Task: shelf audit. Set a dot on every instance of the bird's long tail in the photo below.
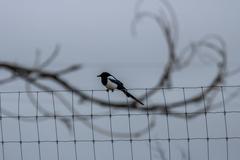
(129, 95)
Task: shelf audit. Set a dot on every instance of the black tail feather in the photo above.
(129, 95)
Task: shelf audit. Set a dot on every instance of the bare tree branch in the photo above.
(166, 20)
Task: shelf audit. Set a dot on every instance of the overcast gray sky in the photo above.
(98, 35)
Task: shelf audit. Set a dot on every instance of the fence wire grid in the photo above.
(45, 127)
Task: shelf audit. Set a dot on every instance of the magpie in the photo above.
(111, 83)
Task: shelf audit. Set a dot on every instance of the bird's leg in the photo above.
(112, 90)
(107, 90)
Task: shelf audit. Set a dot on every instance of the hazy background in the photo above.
(97, 34)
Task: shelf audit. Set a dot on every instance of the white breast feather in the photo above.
(111, 85)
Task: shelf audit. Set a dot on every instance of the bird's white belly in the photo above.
(111, 85)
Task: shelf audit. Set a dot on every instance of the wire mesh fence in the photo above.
(40, 125)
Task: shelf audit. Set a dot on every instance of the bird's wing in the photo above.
(114, 80)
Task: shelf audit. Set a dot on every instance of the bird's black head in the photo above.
(104, 75)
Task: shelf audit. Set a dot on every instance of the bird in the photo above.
(112, 83)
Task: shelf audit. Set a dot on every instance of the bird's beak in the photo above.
(98, 75)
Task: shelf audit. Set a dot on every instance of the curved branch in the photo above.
(167, 22)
